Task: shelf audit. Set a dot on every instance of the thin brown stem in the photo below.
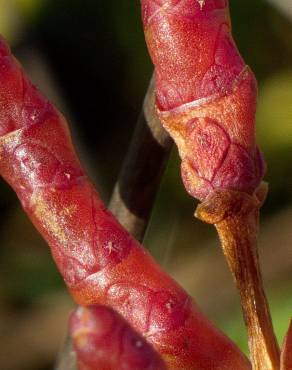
(135, 191)
(236, 217)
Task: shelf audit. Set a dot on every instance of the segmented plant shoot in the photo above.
(104, 341)
(100, 262)
(206, 100)
(206, 94)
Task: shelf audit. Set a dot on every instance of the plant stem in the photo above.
(135, 191)
(236, 217)
(286, 355)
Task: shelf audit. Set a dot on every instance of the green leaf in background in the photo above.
(15, 14)
(274, 117)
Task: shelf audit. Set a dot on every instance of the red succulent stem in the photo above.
(206, 100)
(100, 262)
(138, 183)
(206, 94)
(104, 341)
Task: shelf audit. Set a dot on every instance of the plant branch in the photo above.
(286, 355)
(236, 218)
(135, 191)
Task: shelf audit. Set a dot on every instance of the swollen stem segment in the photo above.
(104, 341)
(100, 262)
(205, 94)
(206, 100)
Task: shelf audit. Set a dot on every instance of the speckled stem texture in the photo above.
(104, 341)
(137, 186)
(100, 262)
(206, 94)
(206, 100)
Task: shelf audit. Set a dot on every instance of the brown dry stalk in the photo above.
(135, 191)
(236, 217)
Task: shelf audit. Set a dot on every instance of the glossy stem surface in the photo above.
(134, 193)
(236, 216)
(206, 99)
(101, 263)
(103, 340)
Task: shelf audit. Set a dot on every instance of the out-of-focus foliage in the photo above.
(28, 7)
(15, 15)
(275, 133)
(275, 106)
(90, 58)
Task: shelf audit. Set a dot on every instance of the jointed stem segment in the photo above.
(206, 99)
(235, 216)
(133, 197)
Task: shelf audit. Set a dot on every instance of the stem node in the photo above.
(236, 218)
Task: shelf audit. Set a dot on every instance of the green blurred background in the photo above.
(90, 58)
